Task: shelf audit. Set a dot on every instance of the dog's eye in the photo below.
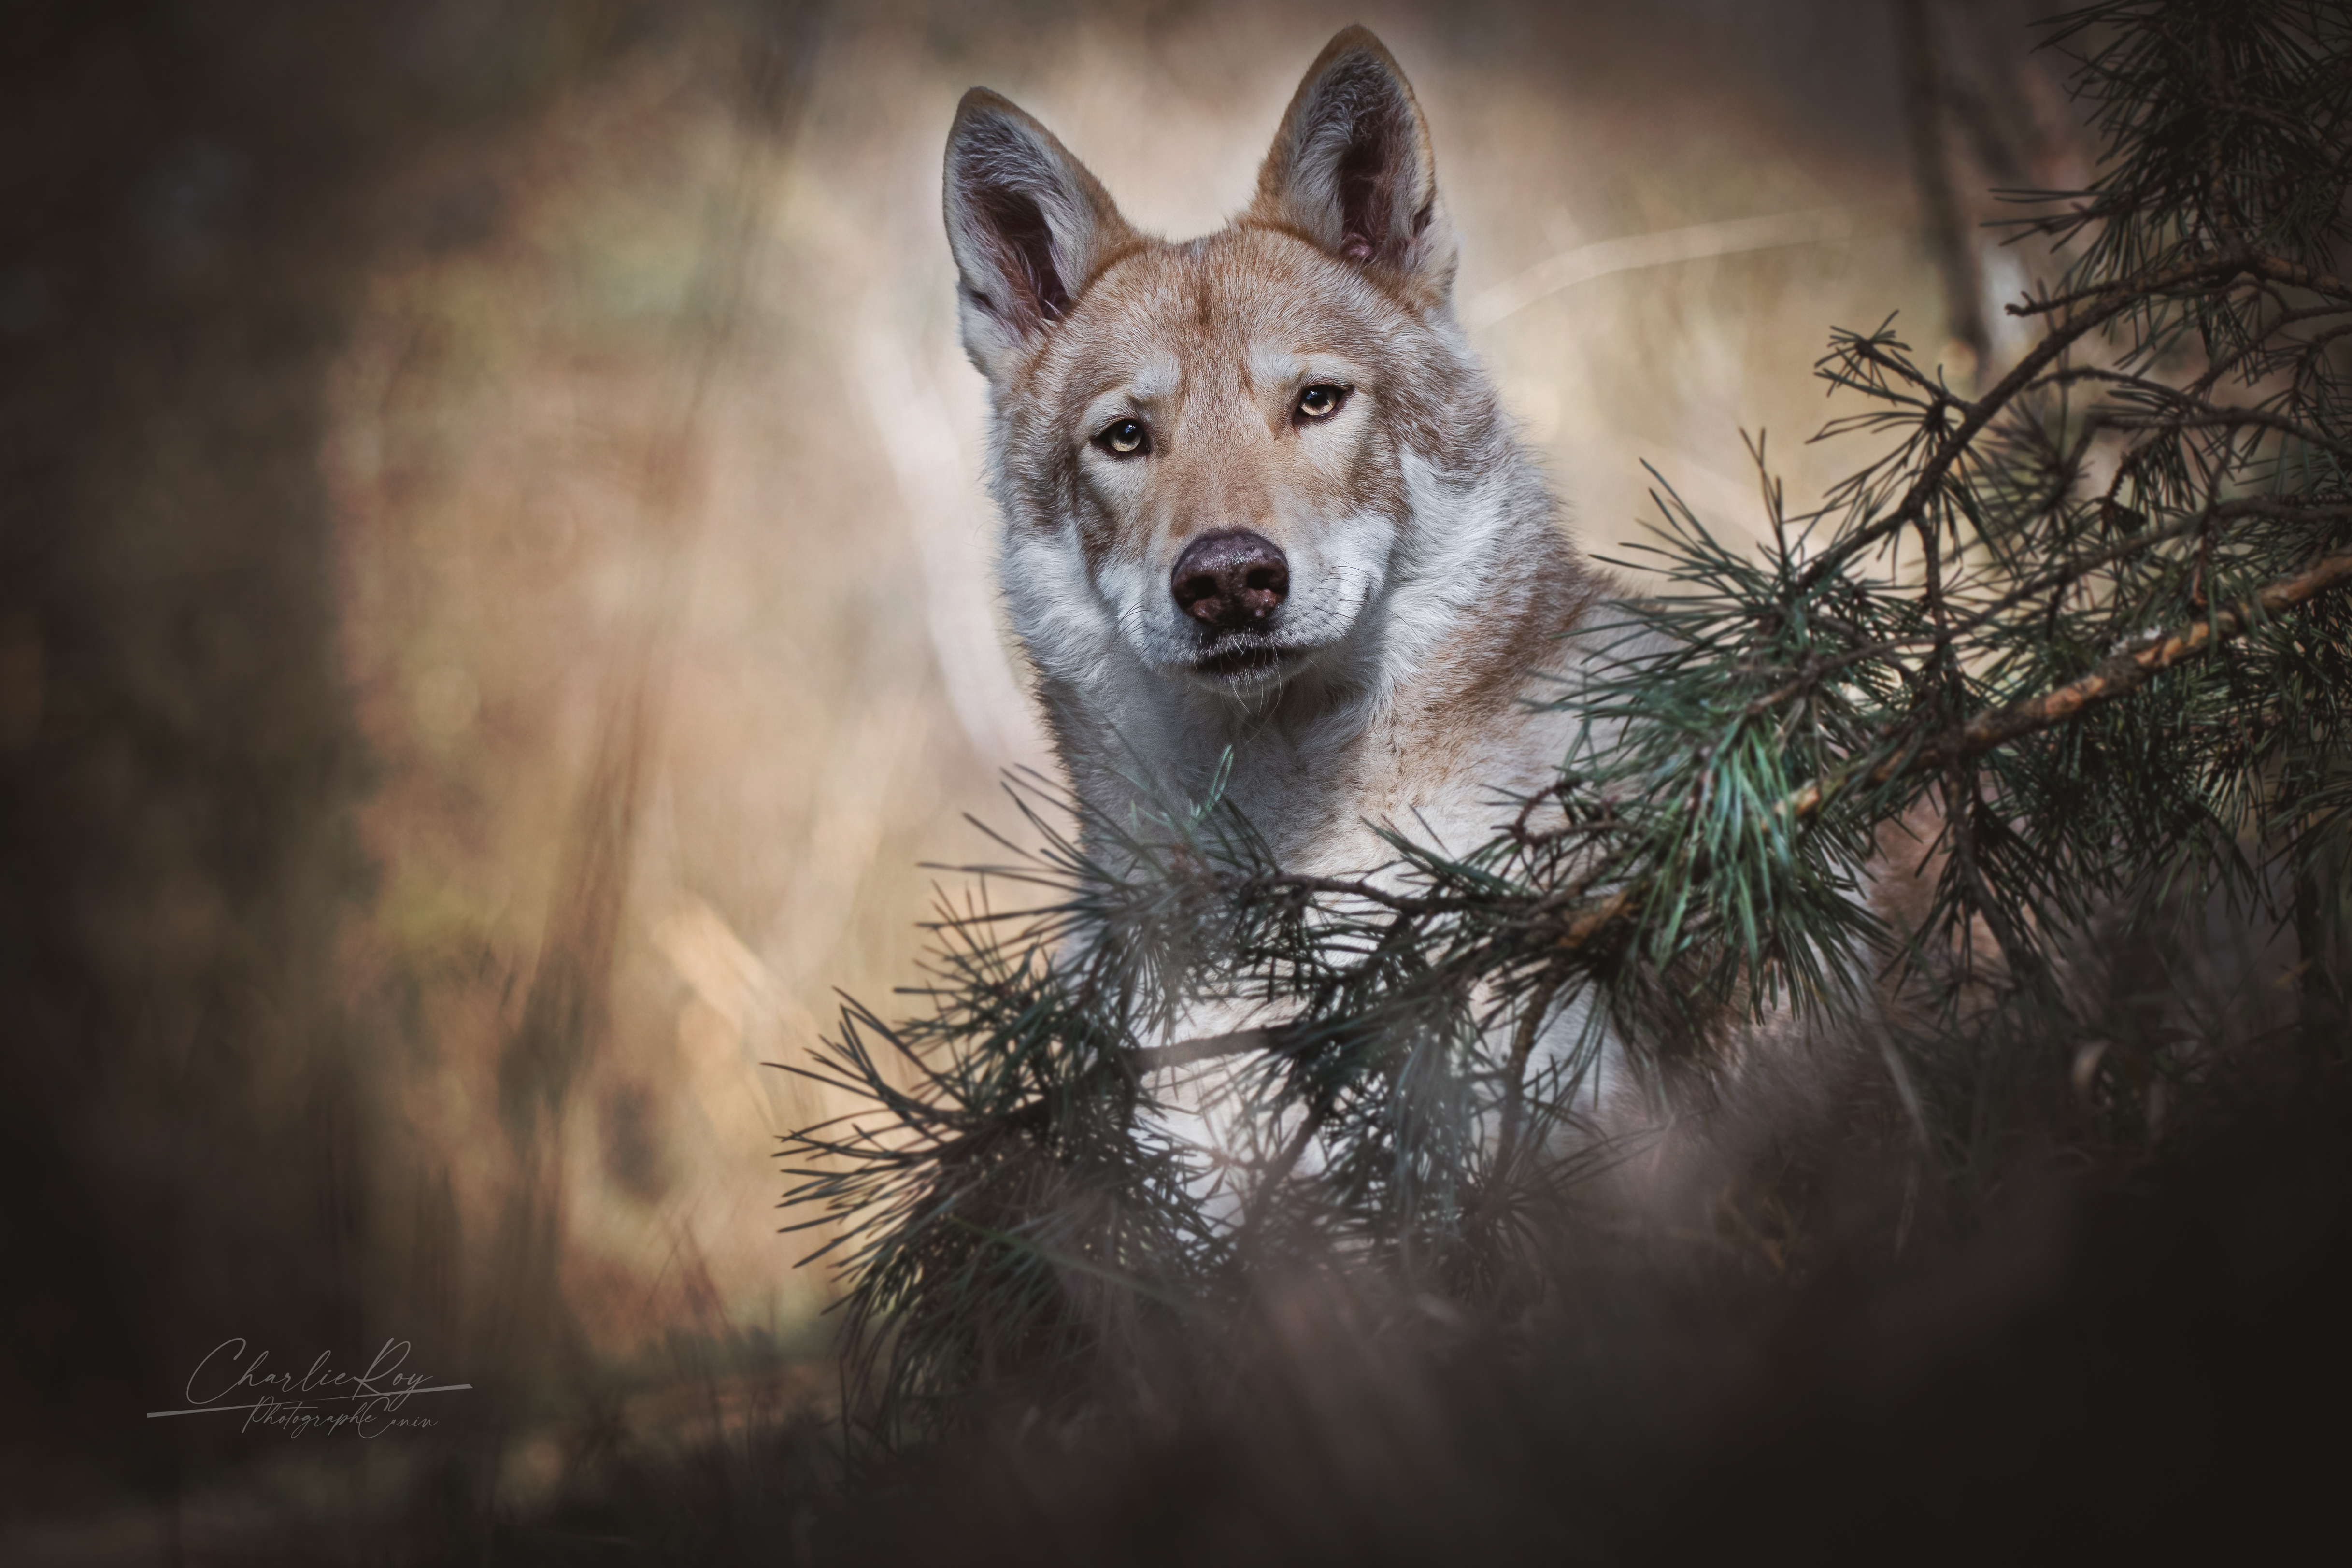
(1124, 438)
(1321, 401)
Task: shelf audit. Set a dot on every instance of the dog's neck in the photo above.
(1421, 717)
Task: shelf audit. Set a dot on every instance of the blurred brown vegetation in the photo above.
(493, 617)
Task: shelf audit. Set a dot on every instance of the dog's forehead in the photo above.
(1248, 303)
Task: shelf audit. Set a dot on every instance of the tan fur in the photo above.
(1430, 587)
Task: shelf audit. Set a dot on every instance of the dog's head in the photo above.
(1208, 448)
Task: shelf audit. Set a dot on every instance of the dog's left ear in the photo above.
(1352, 168)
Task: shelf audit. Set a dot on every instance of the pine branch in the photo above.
(2127, 672)
(2115, 678)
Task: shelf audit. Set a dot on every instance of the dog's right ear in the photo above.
(1029, 226)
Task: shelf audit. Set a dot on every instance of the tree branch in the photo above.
(1957, 441)
(2114, 677)
(2127, 672)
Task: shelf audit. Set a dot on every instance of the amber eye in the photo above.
(1122, 439)
(1321, 401)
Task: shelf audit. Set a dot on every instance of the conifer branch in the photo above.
(2114, 677)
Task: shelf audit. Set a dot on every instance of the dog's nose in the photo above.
(1230, 580)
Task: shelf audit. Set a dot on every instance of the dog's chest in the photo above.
(1319, 801)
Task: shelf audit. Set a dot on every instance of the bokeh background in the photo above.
(494, 615)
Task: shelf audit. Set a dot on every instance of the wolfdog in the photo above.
(1259, 499)
(1258, 492)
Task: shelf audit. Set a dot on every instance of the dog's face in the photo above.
(1206, 448)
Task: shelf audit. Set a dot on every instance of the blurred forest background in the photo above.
(494, 615)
